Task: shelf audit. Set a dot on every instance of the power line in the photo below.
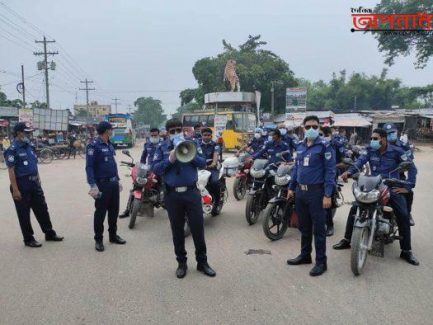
(87, 89)
(26, 47)
(116, 102)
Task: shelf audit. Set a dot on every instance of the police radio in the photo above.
(185, 151)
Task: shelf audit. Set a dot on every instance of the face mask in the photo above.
(375, 144)
(270, 138)
(257, 135)
(176, 138)
(311, 133)
(283, 131)
(26, 139)
(154, 140)
(327, 138)
(264, 133)
(392, 136)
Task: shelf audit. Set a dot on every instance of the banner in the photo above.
(296, 99)
(220, 123)
(26, 115)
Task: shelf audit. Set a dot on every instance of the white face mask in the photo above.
(257, 135)
(283, 131)
(154, 140)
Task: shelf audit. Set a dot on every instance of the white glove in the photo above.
(94, 191)
(120, 187)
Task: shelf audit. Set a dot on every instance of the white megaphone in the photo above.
(185, 151)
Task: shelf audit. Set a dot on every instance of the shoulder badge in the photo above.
(328, 155)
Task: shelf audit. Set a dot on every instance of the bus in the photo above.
(123, 130)
(234, 127)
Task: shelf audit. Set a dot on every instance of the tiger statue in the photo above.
(231, 76)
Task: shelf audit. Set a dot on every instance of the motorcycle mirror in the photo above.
(126, 152)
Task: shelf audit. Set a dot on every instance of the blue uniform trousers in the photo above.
(32, 198)
(399, 204)
(186, 205)
(109, 201)
(312, 219)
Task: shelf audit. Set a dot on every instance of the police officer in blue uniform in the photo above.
(210, 151)
(392, 137)
(385, 158)
(313, 179)
(26, 189)
(103, 178)
(255, 144)
(275, 150)
(146, 158)
(197, 133)
(182, 199)
(287, 138)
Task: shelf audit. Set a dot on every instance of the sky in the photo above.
(135, 48)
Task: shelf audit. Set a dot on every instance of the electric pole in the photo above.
(24, 87)
(87, 82)
(44, 65)
(272, 100)
(116, 101)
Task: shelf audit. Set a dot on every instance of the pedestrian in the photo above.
(25, 187)
(72, 150)
(313, 179)
(384, 159)
(103, 178)
(183, 199)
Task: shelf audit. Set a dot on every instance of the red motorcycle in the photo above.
(146, 193)
(243, 180)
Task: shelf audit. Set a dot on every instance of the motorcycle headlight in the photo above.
(282, 180)
(258, 173)
(141, 180)
(365, 197)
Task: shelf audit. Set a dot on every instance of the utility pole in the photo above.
(24, 87)
(272, 100)
(87, 82)
(354, 104)
(45, 65)
(116, 101)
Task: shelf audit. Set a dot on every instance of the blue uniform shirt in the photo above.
(148, 152)
(271, 149)
(338, 143)
(405, 147)
(384, 163)
(291, 142)
(315, 165)
(256, 144)
(208, 149)
(100, 162)
(22, 157)
(176, 174)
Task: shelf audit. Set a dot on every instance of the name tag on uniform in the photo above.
(106, 158)
(307, 161)
(26, 163)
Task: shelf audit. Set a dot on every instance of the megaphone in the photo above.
(185, 151)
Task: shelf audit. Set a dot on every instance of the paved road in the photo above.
(70, 283)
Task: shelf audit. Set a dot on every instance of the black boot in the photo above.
(116, 239)
(206, 269)
(99, 246)
(409, 257)
(300, 260)
(342, 244)
(181, 270)
(318, 269)
(125, 214)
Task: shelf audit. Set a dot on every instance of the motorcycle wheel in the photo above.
(252, 210)
(274, 223)
(239, 188)
(186, 229)
(359, 251)
(136, 205)
(223, 198)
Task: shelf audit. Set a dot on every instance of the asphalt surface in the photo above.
(71, 283)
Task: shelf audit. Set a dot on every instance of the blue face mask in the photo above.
(283, 131)
(176, 138)
(270, 138)
(375, 144)
(311, 133)
(392, 136)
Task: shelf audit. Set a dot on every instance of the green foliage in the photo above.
(149, 111)
(4, 101)
(402, 45)
(37, 104)
(190, 107)
(256, 69)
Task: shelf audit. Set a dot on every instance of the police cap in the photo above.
(103, 126)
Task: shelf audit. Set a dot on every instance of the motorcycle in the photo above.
(280, 212)
(207, 200)
(243, 180)
(375, 222)
(261, 191)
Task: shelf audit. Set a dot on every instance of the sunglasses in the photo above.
(374, 138)
(175, 130)
(307, 127)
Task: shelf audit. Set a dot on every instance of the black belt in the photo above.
(107, 180)
(310, 187)
(30, 178)
(181, 189)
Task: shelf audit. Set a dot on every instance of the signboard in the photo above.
(50, 119)
(8, 111)
(26, 115)
(220, 123)
(296, 99)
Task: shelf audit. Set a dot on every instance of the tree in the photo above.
(397, 45)
(256, 68)
(37, 104)
(149, 111)
(4, 101)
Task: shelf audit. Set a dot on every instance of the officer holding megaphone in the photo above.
(176, 160)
